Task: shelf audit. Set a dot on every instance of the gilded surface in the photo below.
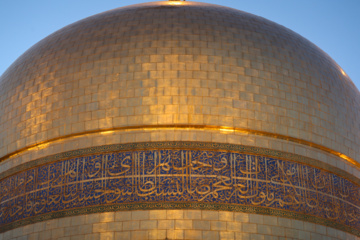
(192, 64)
(179, 126)
(179, 175)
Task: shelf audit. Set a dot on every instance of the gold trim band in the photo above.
(185, 126)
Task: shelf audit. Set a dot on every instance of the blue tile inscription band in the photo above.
(179, 175)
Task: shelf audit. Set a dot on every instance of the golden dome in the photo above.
(178, 71)
(191, 63)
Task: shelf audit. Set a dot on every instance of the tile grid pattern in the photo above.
(155, 64)
(175, 224)
(194, 63)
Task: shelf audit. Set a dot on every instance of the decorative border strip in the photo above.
(137, 147)
(184, 126)
(182, 145)
(181, 206)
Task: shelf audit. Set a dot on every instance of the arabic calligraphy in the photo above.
(168, 175)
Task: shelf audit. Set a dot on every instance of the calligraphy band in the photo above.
(183, 175)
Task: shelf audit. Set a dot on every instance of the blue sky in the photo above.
(333, 25)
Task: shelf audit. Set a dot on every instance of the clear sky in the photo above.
(333, 25)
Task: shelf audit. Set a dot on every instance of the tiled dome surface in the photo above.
(194, 63)
(167, 81)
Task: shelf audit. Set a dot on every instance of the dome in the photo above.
(147, 87)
